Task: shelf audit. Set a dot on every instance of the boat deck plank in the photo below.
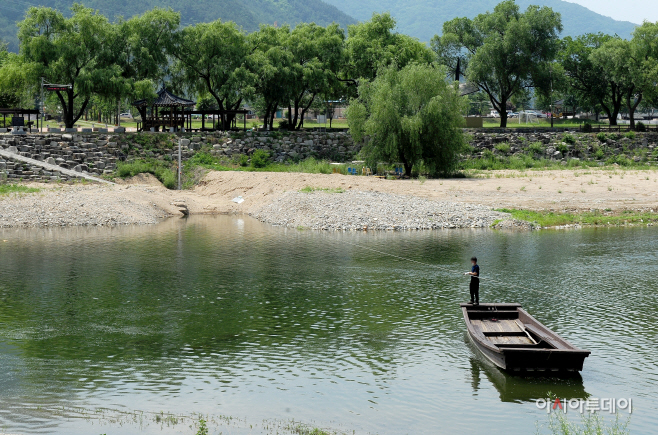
(510, 340)
(505, 325)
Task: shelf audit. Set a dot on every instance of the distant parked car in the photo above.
(126, 115)
(494, 114)
(536, 113)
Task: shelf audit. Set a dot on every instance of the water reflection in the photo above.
(520, 389)
(229, 316)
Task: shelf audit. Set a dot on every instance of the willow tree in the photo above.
(317, 58)
(70, 51)
(211, 59)
(271, 66)
(10, 76)
(411, 115)
(502, 52)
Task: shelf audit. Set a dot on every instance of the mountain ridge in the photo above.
(419, 18)
(248, 15)
(424, 18)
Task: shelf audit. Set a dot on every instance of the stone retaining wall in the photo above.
(98, 153)
(567, 145)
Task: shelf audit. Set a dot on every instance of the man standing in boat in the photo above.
(475, 281)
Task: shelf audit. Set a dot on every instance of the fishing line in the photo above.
(490, 280)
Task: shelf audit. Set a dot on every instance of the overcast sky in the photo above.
(634, 11)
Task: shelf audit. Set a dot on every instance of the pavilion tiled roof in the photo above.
(165, 99)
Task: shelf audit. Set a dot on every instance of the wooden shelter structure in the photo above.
(170, 111)
(18, 117)
(216, 118)
(166, 111)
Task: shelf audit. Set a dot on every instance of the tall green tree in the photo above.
(412, 116)
(373, 44)
(645, 48)
(9, 73)
(211, 58)
(317, 58)
(502, 52)
(619, 65)
(141, 47)
(272, 67)
(588, 79)
(70, 51)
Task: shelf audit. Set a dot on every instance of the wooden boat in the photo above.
(515, 341)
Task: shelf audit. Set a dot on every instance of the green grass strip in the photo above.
(6, 189)
(595, 218)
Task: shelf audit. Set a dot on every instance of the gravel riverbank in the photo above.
(358, 211)
(78, 205)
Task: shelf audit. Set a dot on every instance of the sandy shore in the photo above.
(143, 200)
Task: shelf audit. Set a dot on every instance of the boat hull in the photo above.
(518, 343)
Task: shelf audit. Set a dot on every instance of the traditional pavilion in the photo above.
(166, 111)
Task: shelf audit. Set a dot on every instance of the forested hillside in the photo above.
(248, 14)
(424, 18)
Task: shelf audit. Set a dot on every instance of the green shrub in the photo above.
(503, 147)
(599, 154)
(487, 154)
(569, 139)
(639, 126)
(243, 160)
(537, 148)
(165, 174)
(203, 159)
(469, 149)
(284, 124)
(630, 135)
(260, 159)
(601, 137)
(587, 127)
(562, 148)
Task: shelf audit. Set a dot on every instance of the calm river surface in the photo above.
(255, 326)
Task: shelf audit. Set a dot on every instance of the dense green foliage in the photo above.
(410, 115)
(610, 74)
(512, 58)
(161, 170)
(422, 19)
(503, 53)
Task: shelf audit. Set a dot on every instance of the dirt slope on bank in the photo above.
(537, 190)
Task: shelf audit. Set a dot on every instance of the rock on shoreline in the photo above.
(358, 211)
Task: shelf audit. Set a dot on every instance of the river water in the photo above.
(255, 327)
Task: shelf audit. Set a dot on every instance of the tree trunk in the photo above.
(631, 109)
(295, 118)
(407, 169)
(503, 118)
(613, 116)
(304, 110)
(266, 117)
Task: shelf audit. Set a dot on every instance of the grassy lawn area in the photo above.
(551, 219)
(514, 123)
(7, 189)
